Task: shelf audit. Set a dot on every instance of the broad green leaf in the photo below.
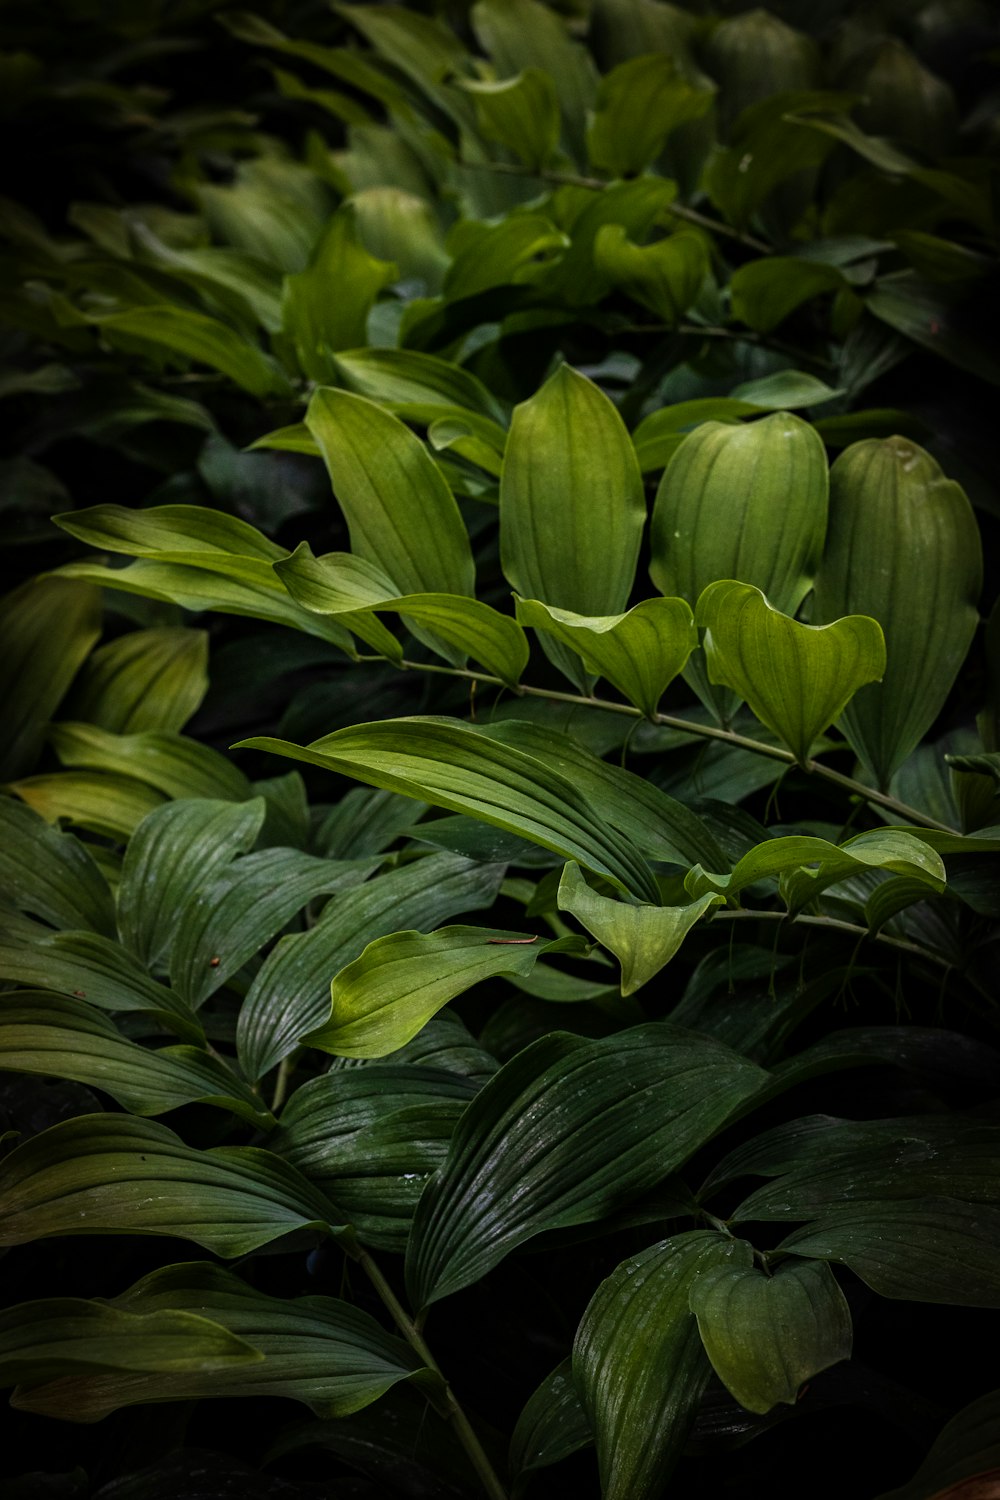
(62, 1038)
(169, 763)
(765, 292)
(929, 1250)
(639, 104)
(147, 679)
(56, 1336)
(340, 583)
(796, 678)
(566, 1133)
(383, 999)
(471, 437)
(552, 1425)
(903, 547)
(768, 144)
(767, 1335)
(415, 386)
(576, 280)
(194, 336)
(87, 966)
(325, 308)
(571, 505)
(449, 765)
(640, 652)
(665, 276)
(638, 1362)
(290, 995)
(49, 626)
(111, 1174)
(50, 874)
(784, 390)
(747, 503)
(643, 938)
(225, 920)
(659, 435)
(104, 803)
(177, 847)
(520, 113)
(520, 34)
(333, 1357)
(515, 252)
(190, 534)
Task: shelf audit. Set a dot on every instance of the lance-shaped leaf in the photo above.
(333, 1357)
(418, 387)
(928, 1250)
(796, 678)
(744, 502)
(639, 1364)
(178, 846)
(643, 938)
(56, 1336)
(571, 505)
(564, 1134)
(903, 547)
(552, 1425)
(111, 1174)
(521, 113)
(195, 336)
(449, 765)
(147, 679)
(106, 804)
(767, 1335)
(881, 849)
(50, 873)
(386, 996)
(64, 1038)
(640, 652)
(169, 763)
(340, 583)
(665, 276)
(639, 104)
(325, 307)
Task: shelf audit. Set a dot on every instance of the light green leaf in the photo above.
(449, 765)
(169, 763)
(747, 503)
(520, 113)
(767, 1335)
(415, 386)
(194, 336)
(566, 1133)
(108, 804)
(325, 307)
(290, 994)
(903, 547)
(643, 938)
(639, 104)
(520, 34)
(112, 1174)
(638, 1362)
(147, 679)
(49, 626)
(515, 252)
(640, 652)
(765, 292)
(796, 678)
(51, 874)
(575, 280)
(785, 389)
(471, 438)
(665, 276)
(807, 865)
(571, 505)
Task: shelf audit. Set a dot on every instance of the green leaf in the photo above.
(63, 1038)
(765, 292)
(528, 1155)
(340, 583)
(903, 547)
(111, 805)
(520, 34)
(930, 1250)
(934, 317)
(449, 765)
(665, 276)
(640, 652)
(147, 679)
(49, 626)
(643, 938)
(111, 1174)
(552, 1425)
(785, 389)
(796, 678)
(194, 336)
(516, 252)
(50, 873)
(638, 1362)
(571, 505)
(384, 998)
(747, 503)
(169, 763)
(57, 1336)
(767, 1335)
(520, 113)
(333, 1357)
(290, 994)
(415, 386)
(639, 104)
(175, 848)
(320, 320)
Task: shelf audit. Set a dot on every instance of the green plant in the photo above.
(472, 1064)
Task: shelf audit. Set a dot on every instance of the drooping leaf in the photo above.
(904, 548)
(147, 679)
(639, 104)
(169, 763)
(767, 1335)
(638, 1361)
(551, 1426)
(50, 874)
(104, 803)
(665, 276)
(194, 336)
(766, 291)
(796, 678)
(325, 307)
(415, 386)
(520, 113)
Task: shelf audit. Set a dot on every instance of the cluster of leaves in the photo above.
(398, 376)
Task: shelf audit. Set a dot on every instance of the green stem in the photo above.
(687, 726)
(285, 1070)
(834, 924)
(740, 335)
(453, 1412)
